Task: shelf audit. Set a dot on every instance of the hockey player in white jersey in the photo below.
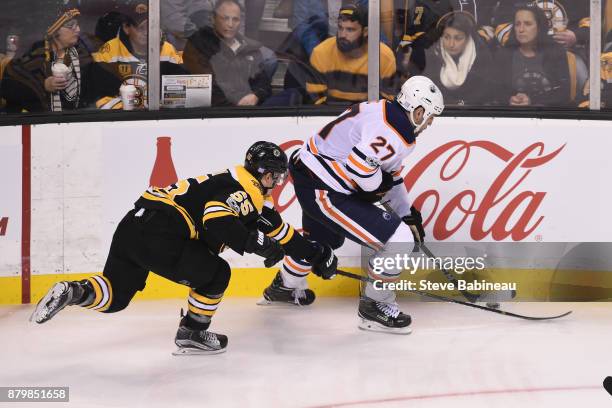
(340, 173)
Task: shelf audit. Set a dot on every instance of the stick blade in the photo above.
(536, 317)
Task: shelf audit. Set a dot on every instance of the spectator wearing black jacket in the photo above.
(460, 62)
(569, 22)
(28, 84)
(235, 62)
(533, 68)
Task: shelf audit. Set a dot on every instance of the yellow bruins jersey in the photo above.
(116, 57)
(337, 77)
(222, 209)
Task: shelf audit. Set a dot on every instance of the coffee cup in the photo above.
(128, 96)
(60, 71)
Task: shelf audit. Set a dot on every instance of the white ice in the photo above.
(315, 357)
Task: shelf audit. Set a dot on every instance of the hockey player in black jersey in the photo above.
(178, 232)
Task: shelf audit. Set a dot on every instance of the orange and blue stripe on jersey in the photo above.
(359, 165)
(331, 166)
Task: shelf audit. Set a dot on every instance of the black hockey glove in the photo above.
(260, 244)
(415, 222)
(377, 195)
(324, 262)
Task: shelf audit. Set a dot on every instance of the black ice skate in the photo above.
(62, 294)
(382, 317)
(276, 293)
(199, 342)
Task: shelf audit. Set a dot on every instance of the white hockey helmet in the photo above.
(420, 91)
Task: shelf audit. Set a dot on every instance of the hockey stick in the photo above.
(460, 302)
(470, 297)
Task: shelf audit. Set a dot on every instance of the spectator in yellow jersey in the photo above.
(125, 57)
(340, 63)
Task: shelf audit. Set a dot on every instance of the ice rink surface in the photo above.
(315, 357)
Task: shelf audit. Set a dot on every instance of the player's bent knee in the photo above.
(220, 280)
(337, 242)
(385, 264)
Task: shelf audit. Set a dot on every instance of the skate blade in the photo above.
(369, 325)
(55, 290)
(188, 351)
(265, 302)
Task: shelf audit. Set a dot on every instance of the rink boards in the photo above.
(475, 179)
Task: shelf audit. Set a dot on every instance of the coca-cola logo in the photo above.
(505, 190)
(518, 165)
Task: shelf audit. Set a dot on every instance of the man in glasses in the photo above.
(178, 232)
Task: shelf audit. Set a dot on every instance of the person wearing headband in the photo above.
(29, 84)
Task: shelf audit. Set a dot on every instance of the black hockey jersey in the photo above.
(221, 209)
(416, 20)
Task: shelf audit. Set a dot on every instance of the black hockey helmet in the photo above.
(266, 157)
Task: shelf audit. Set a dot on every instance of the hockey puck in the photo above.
(607, 383)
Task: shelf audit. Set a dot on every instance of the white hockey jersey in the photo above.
(358, 145)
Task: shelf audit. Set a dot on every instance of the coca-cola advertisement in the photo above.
(475, 180)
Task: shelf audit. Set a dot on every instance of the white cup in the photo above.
(128, 96)
(61, 71)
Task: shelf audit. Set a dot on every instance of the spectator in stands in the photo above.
(9, 52)
(340, 63)
(313, 21)
(29, 84)
(460, 62)
(236, 62)
(414, 28)
(568, 21)
(181, 19)
(125, 59)
(534, 69)
(11, 44)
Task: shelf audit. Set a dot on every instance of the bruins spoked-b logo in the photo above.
(555, 13)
